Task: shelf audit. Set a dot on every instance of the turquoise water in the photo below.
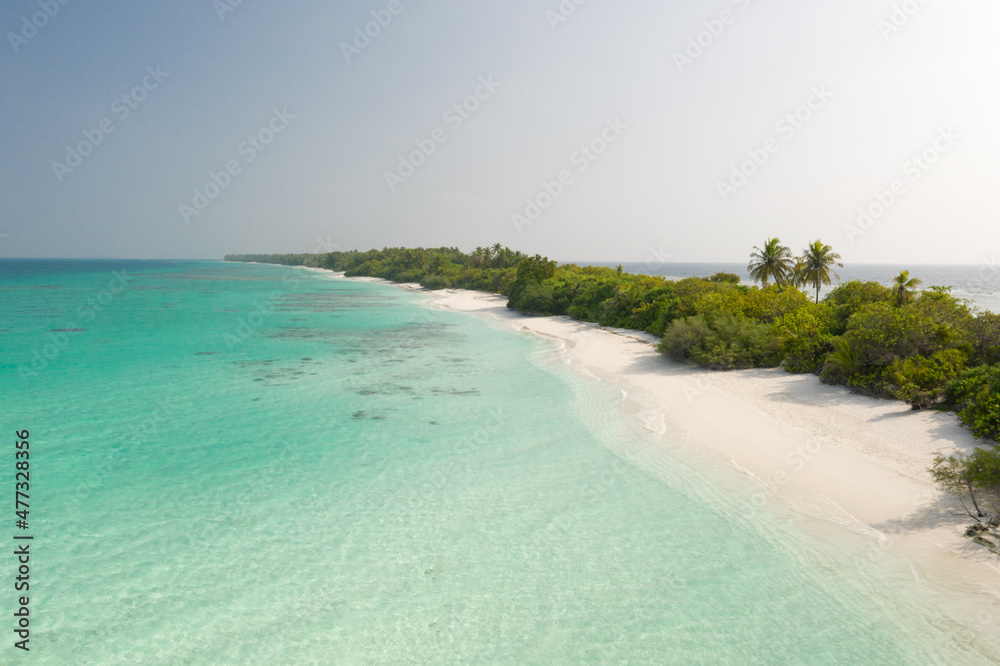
(239, 464)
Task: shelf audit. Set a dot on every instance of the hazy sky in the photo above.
(641, 130)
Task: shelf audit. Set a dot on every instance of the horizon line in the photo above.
(576, 261)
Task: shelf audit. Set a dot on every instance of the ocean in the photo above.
(246, 464)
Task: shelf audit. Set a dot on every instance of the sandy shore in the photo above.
(855, 463)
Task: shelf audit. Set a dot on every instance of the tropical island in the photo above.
(924, 347)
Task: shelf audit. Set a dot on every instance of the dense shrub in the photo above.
(985, 332)
(921, 381)
(976, 395)
(408, 276)
(534, 298)
(690, 289)
(844, 365)
(722, 341)
(656, 311)
(849, 297)
(435, 282)
(759, 305)
(804, 341)
(952, 317)
(881, 333)
(730, 278)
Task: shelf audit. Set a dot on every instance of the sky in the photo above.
(584, 130)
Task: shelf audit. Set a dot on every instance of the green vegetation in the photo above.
(813, 268)
(492, 269)
(975, 394)
(721, 341)
(903, 286)
(774, 261)
(975, 480)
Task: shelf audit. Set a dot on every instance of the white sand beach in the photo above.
(855, 463)
(809, 443)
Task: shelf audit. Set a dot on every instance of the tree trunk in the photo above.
(972, 494)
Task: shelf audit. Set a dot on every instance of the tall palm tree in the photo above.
(797, 276)
(816, 262)
(903, 287)
(774, 260)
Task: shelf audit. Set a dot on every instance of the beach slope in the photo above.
(851, 461)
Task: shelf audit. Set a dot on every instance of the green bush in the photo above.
(722, 342)
(951, 316)
(409, 276)
(975, 480)
(534, 298)
(881, 333)
(921, 381)
(655, 312)
(435, 282)
(849, 297)
(759, 305)
(689, 290)
(985, 331)
(804, 341)
(976, 395)
(729, 278)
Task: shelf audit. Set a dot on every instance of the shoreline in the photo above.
(854, 463)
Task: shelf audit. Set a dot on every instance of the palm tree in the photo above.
(816, 262)
(773, 261)
(797, 276)
(903, 286)
(845, 358)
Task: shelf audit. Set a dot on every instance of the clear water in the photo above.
(239, 464)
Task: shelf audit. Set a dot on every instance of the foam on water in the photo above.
(254, 464)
